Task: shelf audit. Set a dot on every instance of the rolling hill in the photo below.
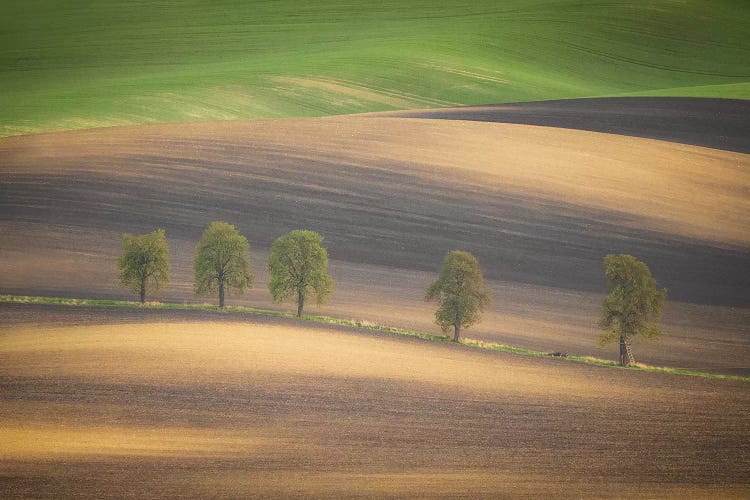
(712, 123)
(539, 206)
(540, 135)
(126, 403)
(72, 65)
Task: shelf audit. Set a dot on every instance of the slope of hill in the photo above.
(713, 123)
(539, 206)
(208, 407)
(66, 65)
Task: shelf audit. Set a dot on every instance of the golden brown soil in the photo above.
(663, 186)
(540, 207)
(192, 405)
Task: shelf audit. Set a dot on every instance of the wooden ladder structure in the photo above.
(629, 351)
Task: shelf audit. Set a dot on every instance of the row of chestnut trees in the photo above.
(298, 264)
(298, 268)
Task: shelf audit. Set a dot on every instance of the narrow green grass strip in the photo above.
(588, 360)
(364, 325)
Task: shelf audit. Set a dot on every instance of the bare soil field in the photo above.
(539, 206)
(713, 123)
(122, 403)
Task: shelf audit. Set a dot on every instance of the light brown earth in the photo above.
(148, 403)
(143, 404)
(539, 206)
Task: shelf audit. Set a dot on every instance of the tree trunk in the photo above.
(300, 302)
(456, 332)
(143, 290)
(221, 294)
(623, 351)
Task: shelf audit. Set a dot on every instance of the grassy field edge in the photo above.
(358, 324)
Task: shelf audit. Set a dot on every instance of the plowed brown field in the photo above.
(155, 403)
(190, 404)
(539, 206)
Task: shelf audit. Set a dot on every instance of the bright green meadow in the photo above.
(74, 64)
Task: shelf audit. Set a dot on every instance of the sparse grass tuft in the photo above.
(362, 325)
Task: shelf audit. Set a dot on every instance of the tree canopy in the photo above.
(222, 261)
(144, 263)
(298, 266)
(633, 305)
(460, 292)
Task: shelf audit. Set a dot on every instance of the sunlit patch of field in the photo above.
(185, 354)
(57, 441)
(280, 408)
(666, 187)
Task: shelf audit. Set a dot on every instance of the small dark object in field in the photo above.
(559, 354)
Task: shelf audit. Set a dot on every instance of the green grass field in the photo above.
(66, 65)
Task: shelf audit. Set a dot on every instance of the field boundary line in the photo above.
(362, 325)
